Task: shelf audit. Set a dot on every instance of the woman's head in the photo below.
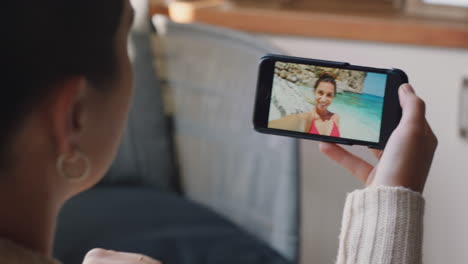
(66, 86)
(324, 91)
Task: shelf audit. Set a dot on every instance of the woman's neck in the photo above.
(323, 114)
(28, 217)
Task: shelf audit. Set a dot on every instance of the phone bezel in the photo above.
(391, 114)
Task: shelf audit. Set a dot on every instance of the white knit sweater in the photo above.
(382, 225)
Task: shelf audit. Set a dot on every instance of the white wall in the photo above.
(437, 77)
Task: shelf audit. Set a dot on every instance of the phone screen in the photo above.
(326, 101)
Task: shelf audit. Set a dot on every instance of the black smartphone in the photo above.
(328, 101)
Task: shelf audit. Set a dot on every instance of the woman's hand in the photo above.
(102, 256)
(408, 154)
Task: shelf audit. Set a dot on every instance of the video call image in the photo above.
(327, 101)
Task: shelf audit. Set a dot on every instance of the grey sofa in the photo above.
(192, 182)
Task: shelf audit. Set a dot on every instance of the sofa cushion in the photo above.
(162, 225)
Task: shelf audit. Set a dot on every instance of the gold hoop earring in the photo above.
(77, 156)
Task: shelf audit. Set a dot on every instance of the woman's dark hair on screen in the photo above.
(327, 79)
(46, 41)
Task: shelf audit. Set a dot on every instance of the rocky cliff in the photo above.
(307, 75)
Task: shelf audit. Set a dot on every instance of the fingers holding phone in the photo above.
(350, 104)
(102, 256)
(408, 155)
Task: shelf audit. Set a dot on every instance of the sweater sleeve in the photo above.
(382, 225)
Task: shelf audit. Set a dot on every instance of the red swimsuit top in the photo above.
(334, 133)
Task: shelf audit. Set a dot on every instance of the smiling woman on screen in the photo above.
(320, 120)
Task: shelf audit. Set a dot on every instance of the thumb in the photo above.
(414, 108)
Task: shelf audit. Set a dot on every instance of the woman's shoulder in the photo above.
(336, 118)
(313, 114)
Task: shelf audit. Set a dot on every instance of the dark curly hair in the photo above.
(44, 42)
(327, 79)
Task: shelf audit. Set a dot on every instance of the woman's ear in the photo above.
(66, 114)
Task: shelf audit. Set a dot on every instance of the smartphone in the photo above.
(327, 101)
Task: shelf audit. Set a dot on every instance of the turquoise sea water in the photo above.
(360, 115)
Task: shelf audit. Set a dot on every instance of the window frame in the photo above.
(421, 8)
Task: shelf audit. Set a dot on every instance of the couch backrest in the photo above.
(209, 77)
(145, 156)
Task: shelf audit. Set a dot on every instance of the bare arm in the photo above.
(294, 122)
(336, 119)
